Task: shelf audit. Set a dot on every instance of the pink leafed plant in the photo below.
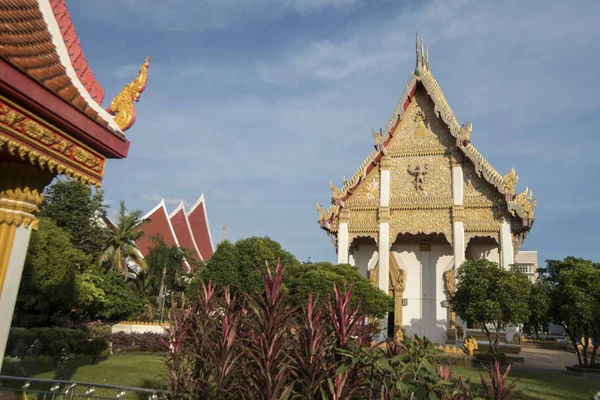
(495, 384)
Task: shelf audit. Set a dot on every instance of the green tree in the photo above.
(235, 265)
(49, 282)
(120, 244)
(320, 277)
(491, 295)
(78, 210)
(574, 293)
(166, 268)
(539, 305)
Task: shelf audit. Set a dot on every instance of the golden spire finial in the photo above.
(224, 233)
(122, 104)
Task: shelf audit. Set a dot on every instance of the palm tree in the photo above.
(121, 243)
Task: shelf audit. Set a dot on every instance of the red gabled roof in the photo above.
(183, 231)
(39, 38)
(198, 221)
(67, 30)
(159, 225)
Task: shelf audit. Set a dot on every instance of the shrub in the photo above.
(147, 341)
(260, 347)
(56, 343)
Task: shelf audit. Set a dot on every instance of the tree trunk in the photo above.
(161, 291)
(586, 342)
(487, 333)
(574, 343)
(497, 340)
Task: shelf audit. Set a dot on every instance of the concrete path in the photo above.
(545, 360)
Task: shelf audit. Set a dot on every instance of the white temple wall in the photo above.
(487, 251)
(442, 258)
(407, 257)
(365, 257)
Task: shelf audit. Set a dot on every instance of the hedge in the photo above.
(54, 342)
(147, 341)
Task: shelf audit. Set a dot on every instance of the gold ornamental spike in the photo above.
(122, 105)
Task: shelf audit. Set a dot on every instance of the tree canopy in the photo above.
(49, 283)
(320, 277)
(78, 210)
(574, 302)
(233, 265)
(120, 243)
(491, 295)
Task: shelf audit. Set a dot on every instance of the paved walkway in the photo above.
(544, 360)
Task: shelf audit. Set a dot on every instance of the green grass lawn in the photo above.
(149, 371)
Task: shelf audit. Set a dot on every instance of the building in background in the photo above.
(421, 203)
(181, 227)
(527, 261)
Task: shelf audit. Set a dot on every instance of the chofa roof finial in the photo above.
(422, 56)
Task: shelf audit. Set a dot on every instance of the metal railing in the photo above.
(52, 389)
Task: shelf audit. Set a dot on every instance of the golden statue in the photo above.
(122, 105)
(510, 181)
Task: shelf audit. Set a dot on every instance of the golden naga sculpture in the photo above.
(450, 281)
(470, 345)
(527, 203)
(321, 211)
(336, 194)
(122, 105)
(510, 182)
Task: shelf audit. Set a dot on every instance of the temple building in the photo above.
(188, 229)
(422, 202)
(52, 122)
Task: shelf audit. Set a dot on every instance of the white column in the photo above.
(384, 192)
(458, 227)
(384, 256)
(343, 243)
(507, 257)
(383, 278)
(458, 243)
(12, 280)
(457, 185)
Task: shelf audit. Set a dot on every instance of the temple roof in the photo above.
(521, 205)
(39, 38)
(183, 230)
(198, 220)
(180, 228)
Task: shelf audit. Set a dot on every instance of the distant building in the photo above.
(527, 261)
(188, 229)
(424, 201)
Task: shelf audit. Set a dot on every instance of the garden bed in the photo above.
(589, 373)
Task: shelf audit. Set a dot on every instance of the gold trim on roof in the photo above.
(523, 204)
(122, 104)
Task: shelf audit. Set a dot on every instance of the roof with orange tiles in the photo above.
(38, 37)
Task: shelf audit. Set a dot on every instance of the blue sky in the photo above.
(260, 103)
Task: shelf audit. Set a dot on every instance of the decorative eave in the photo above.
(521, 205)
(39, 38)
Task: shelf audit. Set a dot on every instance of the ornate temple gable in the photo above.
(367, 191)
(421, 138)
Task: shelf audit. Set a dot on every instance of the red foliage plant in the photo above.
(259, 347)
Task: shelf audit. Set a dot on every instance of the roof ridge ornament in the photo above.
(122, 104)
(422, 56)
